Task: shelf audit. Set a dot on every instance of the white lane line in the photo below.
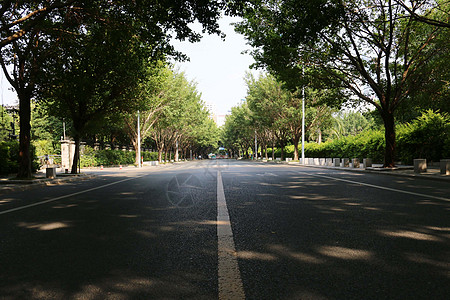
(378, 187)
(67, 196)
(230, 282)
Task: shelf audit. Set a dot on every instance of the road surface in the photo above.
(226, 229)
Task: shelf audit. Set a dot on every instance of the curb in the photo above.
(23, 185)
(443, 178)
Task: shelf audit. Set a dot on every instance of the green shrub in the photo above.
(9, 158)
(425, 137)
(44, 147)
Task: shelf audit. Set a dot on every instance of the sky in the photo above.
(217, 66)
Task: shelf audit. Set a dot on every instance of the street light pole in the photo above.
(303, 118)
(139, 139)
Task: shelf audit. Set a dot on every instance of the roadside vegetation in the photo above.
(89, 70)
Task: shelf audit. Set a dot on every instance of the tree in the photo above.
(366, 46)
(350, 123)
(150, 97)
(280, 111)
(91, 78)
(423, 11)
(29, 30)
(239, 131)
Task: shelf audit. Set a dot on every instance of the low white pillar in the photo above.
(336, 162)
(50, 172)
(355, 163)
(345, 162)
(322, 161)
(329, 162)
(367, 162)
(420, 165)
(445, 166)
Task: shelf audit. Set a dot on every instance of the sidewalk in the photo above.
(39, 179)
(432, 173)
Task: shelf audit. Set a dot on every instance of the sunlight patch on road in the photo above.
(44, 226)
(300, 256)
(410, 235)
(253, 255)
(345, 253)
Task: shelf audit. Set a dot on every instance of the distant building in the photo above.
(211, 107)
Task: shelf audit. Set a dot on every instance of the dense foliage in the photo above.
(425, 137)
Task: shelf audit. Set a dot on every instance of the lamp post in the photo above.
(303, 118)
(139, 139)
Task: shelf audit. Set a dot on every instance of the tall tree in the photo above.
(91, 78)
(29, 29)
(366, 46)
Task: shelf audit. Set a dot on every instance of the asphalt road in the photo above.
(227, 229)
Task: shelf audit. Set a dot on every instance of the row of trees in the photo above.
(392, 55)
(273, 114)
(88, 60)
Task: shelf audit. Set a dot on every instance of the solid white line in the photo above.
(66, 196)
(378, 187)
(230, 282)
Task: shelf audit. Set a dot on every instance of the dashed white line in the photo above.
(230, 282)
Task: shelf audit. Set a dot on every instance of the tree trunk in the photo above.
(136, 157)
(176, 155)
(389, 135)
(296, 140)
(319, 137)
(273, 150)
(24, 136)
(76, 156)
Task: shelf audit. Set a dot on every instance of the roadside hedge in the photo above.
(9, 158)
(427, 137)
(94, 158)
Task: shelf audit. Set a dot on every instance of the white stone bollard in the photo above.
(329, 162)
(445, 166)
(355, 163)
(367, 162)
(50, 172)
(336, 162)
(322, 161)
(420, 165)
(345, 162)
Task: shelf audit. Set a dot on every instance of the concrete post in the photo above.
(67, 153)
(355, 163)
(336, 162)
(345, 162)
(445, 166)
(420, 165)
(329, 162)
(367, 162)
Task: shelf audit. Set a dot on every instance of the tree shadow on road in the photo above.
(321, 239)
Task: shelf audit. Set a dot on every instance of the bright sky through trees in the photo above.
(218, 66)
